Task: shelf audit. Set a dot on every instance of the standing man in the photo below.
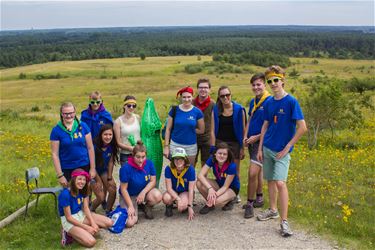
(253, 129)
(205, 104)
(282, 114)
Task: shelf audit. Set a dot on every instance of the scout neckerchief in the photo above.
(132, 163)
(74, 128)
(262, 99)
(202, 105)
(179, 178)
(218, 171)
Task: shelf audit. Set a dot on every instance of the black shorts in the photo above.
(235, 190)
(68, 172)
(253, 152)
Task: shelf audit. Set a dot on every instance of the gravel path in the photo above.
(216, 230)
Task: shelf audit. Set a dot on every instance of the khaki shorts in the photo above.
(67, 225)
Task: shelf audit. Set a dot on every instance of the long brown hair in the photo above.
(73, 188)
(99, 144)
(219, 103)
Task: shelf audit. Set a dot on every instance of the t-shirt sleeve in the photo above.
(191, 174)
(297, 111)
(85, 128)
(232, 169)
(124, 176)
(210, 162)
(54, 135)
(64, 198)
(170, 112)
(152, 168)
(266, 114)
(199, 114)
(168, 173)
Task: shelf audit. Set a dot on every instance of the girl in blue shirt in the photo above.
(71, 145)
(187, 121)
(76, 219)
(106, 156)
(180, 184)
(137, 188)
(223, 190)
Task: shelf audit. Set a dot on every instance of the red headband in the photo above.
(84, 173)
(186, 89)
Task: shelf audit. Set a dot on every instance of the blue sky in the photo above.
(21, 15)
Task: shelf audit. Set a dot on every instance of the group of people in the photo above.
(85, 152)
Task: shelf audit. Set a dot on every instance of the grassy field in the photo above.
(331, 187)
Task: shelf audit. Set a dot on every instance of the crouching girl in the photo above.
(76, 219)
(180, 183)
(226, 186)
(137, 188)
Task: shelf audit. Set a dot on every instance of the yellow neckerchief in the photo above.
(257, 105)
(179, 178)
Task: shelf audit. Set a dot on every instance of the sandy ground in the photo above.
(216, 230)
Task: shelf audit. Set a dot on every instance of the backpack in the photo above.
(174, 109)
(119, 216)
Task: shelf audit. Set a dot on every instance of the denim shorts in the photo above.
(253, 152)
(275, 169)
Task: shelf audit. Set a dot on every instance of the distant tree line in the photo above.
(250, 42)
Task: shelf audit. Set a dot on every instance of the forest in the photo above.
(281, 42)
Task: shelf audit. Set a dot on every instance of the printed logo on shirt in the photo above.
(101, 122)
(185, 180)
(191, 118)
(109, 154)
(281, 111)
(79, 201)
(147, 177)
(75, 136)
(224, 175)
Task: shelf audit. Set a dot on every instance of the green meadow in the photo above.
(331, 187)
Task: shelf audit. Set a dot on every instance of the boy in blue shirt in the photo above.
(282, 114)
(95, 116)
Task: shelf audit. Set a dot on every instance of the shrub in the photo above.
(35, 108)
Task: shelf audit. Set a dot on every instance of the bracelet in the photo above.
(61, 175)
(109, 178)
(189, 205)
(167, 145)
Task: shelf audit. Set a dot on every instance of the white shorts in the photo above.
(80, 216)
(191, 150)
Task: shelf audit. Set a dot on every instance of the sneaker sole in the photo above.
(269, 218)
(286, 234)
(248, 217)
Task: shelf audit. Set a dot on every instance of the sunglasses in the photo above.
(225, 95)
(68, 114)
(95, 102)
(275, 80)
(131, 106)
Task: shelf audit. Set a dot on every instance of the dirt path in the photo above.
(216, 230)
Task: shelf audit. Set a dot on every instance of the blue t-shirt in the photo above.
(256, 121)
(106, 154)
(73, 152)
(184, 125)
(231, 170)
(137, 179)
(188, 176)
(281, 116)
(96, 121)
(66, 199)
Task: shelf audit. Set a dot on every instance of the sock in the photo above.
(250, 201)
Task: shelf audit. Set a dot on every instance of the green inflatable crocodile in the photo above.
(150, 134)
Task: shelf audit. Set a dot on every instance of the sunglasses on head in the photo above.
(225, 95)
(275, 80)
(131, 106)
(95, 102)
